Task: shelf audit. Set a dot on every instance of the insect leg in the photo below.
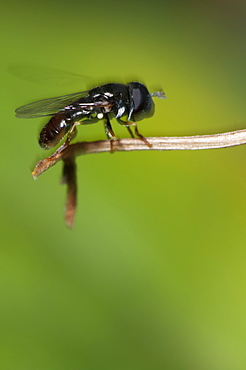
(141, 136)
(137, 133)
(130, 131)
(71, 134)
(110, 133)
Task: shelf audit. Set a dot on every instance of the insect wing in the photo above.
(47, 107)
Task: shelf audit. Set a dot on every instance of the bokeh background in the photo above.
(152, 276)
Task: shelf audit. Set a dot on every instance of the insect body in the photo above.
(127, 103)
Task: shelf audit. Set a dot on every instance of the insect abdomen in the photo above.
(54, 130)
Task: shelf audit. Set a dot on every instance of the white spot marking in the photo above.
(100, 115)
(120, 112)
(108, 94)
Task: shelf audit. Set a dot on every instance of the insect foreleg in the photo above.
(137, 133)
(141, 136)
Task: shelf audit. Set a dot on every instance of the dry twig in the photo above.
(215, 141)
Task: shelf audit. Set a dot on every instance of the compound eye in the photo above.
(138, 99)
(142, 101)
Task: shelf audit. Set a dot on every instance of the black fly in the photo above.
(127, 103)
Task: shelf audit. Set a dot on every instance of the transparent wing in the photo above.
(48, 76)
(48, 107)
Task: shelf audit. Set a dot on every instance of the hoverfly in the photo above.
(127, 103)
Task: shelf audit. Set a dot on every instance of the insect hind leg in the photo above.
(71, 135)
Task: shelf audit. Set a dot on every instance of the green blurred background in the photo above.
(153, 274)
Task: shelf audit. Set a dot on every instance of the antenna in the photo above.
(159, 95)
